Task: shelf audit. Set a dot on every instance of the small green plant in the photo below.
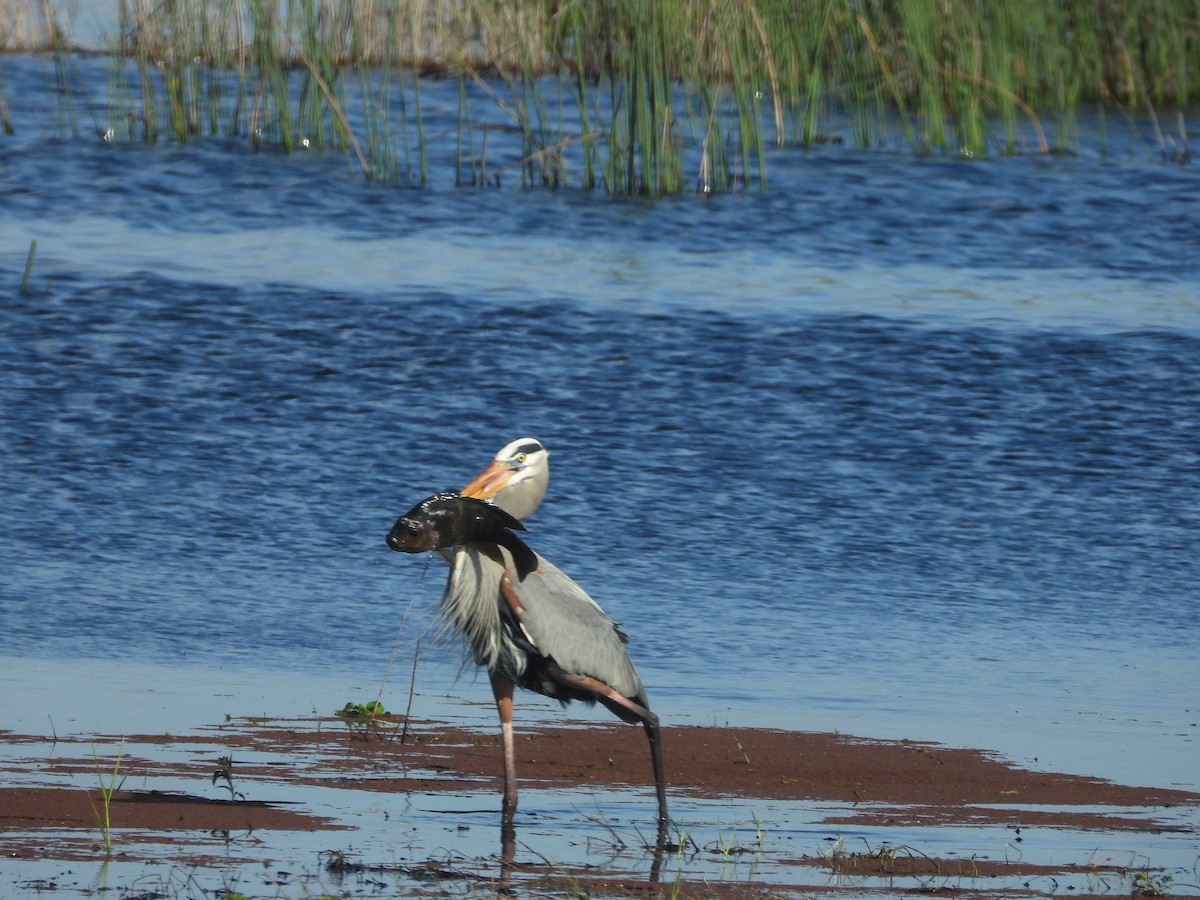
(760, 832)
(727, 847)
(224, 773)
(108, 787)
(835, 853)
(731, 850)
(1147, 884)
(886, 855)
(880, 859)
(363, 718)
(229, 889)
(684, 841)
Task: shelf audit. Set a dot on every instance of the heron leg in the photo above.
(502, 690)
(631, 712)
(660, 783)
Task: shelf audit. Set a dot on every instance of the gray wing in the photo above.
(567, 625)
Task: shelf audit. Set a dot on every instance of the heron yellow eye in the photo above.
(520, 457)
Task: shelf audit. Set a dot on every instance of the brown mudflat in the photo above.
(866, 782)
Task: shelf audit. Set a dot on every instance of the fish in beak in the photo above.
(449, 520)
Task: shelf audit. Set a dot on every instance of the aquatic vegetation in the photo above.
(729, 849)
(109, 785)
(363, 718)
(632, 98)
(1148, 884)
(224, 772)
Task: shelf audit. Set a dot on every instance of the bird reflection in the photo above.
(508, 850)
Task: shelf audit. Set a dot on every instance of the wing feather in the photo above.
(556, 619)
(568, 626)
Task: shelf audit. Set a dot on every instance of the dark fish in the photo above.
(452, 520)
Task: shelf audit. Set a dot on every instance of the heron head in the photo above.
(517, 478)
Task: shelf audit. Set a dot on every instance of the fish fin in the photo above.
(524, 558)
(506, 519)
(492, 552)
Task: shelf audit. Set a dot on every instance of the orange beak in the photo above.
(489, 482)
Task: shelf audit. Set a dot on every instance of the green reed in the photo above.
(634, 96)
(109, 785)
(274, 72)
(464, 143)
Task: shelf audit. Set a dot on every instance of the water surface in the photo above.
(899, 447)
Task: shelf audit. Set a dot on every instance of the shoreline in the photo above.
(174, 808)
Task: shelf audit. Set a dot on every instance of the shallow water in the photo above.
(902, 447)
(593, 831)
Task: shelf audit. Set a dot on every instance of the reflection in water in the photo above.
(508, 848)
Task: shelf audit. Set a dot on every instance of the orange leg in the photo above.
(502, 690)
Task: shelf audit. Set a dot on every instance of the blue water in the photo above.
(900, 447)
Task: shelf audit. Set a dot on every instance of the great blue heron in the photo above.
(541, 631)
